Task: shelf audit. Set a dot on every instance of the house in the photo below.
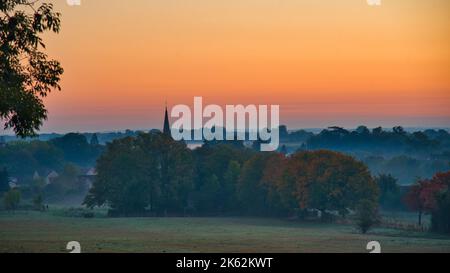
(13, 183)
(87, 179)
(36, 176)
(91, 172)
(51, 176)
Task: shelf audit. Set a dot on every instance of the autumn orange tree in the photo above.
(422, 196)
(273, 174)
(325, 180)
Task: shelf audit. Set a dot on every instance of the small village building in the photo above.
(13, 183)
(88, 177)
(51, 176)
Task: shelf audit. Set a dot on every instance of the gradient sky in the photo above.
(326, 62)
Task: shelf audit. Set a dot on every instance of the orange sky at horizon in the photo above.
(326, 62)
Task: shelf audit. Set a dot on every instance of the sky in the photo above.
(325, 62)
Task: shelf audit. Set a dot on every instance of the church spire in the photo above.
(166, 129)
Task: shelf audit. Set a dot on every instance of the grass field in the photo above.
(50, 232)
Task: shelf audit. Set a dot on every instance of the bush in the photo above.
(366, 216)
(11, 200)
(38, 203)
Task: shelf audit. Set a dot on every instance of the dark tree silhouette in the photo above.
(26, 73)
(389, 191)
(148, 172)
(94, 140)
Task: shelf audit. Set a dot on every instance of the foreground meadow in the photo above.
(50, 232)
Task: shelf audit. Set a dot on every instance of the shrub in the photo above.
(11, 199)
(367, 215)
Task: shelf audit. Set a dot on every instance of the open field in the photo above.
(49, 232)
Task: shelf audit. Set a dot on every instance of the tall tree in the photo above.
(217, 161)
(125, 178)
(76, 148)
(230, 178)
(26, 73)
(389, 191)
(251, 192)
(94, 140)
(256, 187)
(440, 219)
(422, 196)
(150, 171)
(327, 180)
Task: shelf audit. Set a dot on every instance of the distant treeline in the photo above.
(103, 137)
(429, 143)
(23, 159)
(379, 140)
(406, 155)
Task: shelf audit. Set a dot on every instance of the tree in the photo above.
(389, 190)
(279, 202)
(175, 170)
(26, 73)
(126, 178)
(38, 203)
(363, 130)
(284, 150)
(4, 180)
(150, 171)
(94, 140)
(442, 179)
(230, 179)
(366, 215)
(440, 218)
(207, 197)
(219, 159)
(252, 193)
(76, 149)
(399, 130)
(11, 200)
(422, 197)
(24, 158)
(327, 180)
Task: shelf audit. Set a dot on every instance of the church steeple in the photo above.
(166, 129)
